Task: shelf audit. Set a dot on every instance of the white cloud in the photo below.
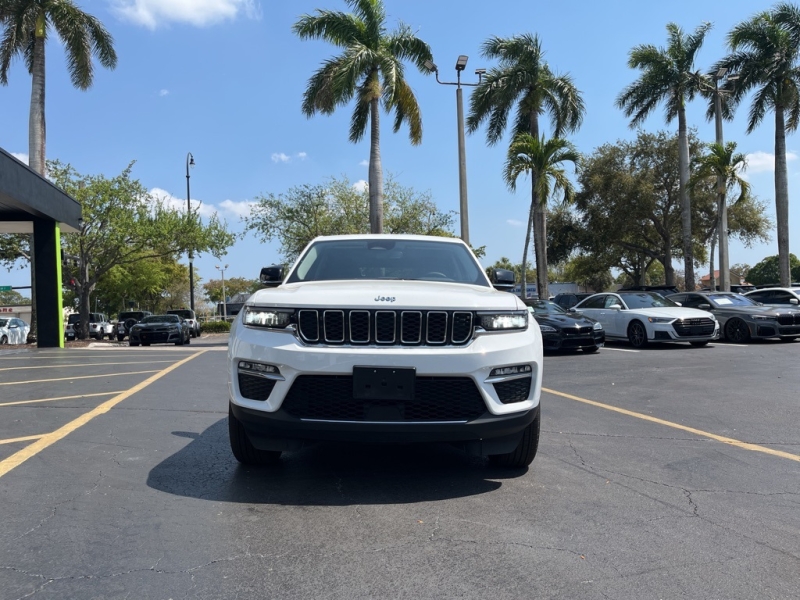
(179, 204)
(301, 155)
(200, 13)
(20, 156)
(361, 185)
(163, 93)
(280, 157)
(515, 223)
(240, 209)
(763, 162)
(363, 163)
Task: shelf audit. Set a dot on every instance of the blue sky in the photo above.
(223, 79)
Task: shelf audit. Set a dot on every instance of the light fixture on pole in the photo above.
(190, 163)
(461, 64)
(722, 205)
(224, 300)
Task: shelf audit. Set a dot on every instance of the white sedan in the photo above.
(642, 317)
(13, 331)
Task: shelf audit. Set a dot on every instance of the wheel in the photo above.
(591, 349)
(133, 343)
(737, 331)
(180, 341)
(637, 334)
(189, 339)
(699, 344)
(145, 343)
(243, 450)
(525, 452)
(120, 337)
(4, 340)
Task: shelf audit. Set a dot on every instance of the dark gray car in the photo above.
(741, 319)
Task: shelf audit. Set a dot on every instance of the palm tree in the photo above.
(668, 76)
(25, 25)
(764, 54)
(370, 68)
(542, 159)
(525, 81)
(723, 163)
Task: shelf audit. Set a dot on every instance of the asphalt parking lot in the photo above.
(667, 472)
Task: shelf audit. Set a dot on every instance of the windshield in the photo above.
(543, 307)
(645, 300)
(161, 319)
(723, 300)
(390, 258)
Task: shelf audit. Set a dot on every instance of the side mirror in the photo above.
(573, 310)
(272, 276)
(794, 301)
(704, 306)
(615, 307)
(678, 303)
(502, 279)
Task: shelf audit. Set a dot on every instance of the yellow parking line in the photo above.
(22, 439)
(49, 439)
(700, 432)
(138, 362)
(78, 377)
(59, 398)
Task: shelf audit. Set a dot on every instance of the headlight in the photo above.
(504, 321)
(764, 317)
(547, 329)
(272, 318)
(598, 325)
(660, 319)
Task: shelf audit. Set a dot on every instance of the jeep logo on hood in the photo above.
(384, 298)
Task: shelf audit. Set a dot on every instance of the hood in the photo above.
(386, 294)
(565, 320)
(675, 312)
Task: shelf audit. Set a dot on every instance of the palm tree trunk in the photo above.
(375, 170)
(669, 270)
(712, 280)
(541, 251)
(524, 286)
(36, 123)
(686, 204)
(782, 197)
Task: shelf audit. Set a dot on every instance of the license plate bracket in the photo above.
(384, 383)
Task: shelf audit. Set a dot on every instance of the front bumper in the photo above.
(665, 332)
(155, 337)
(559, 341)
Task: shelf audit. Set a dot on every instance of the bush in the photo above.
(215, 327)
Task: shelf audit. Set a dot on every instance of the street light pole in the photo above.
(190, 163)
(224, 301)
(461, 64)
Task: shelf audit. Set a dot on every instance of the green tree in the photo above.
(768, 272)
(234, 285)
(13, 297)
(588, 272)
(505, 263)
(371, 69)
(124, 224)
(543, 160)
(764, 53)
(523, 79)
(336, 208)
(668, 76)
(25, 27)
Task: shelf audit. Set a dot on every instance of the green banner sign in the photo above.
(5, 288)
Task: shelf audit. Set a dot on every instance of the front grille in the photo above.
(154, 336)
(516, 390)
(386, 327)
(789, 319)
(330, 398)
(577, 330)
(253, 387)
(694, 327)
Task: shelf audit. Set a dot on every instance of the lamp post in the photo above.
(224, 301)
(190, 163)
(461, 64)
(722, 205)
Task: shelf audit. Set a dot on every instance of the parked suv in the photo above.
(99, 326)
(188, 316)
(128, 319)
(569, 299)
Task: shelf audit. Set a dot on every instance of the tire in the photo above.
(637, 334)
(699, 344)
(188, 339)
(591, 349)
(737, 331)
(120, 337)
(243, 450)
(525, 452)
(180, 341)
(3, 340)
(133, 344)
(145, 343)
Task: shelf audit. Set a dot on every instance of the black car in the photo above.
(160, 329)
(664, 290)
(128, 319)
(741, 318)
(569, 299)
(566, 331)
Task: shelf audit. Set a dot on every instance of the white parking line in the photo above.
(729, 345)
(619, 349)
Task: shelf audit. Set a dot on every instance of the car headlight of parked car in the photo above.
(547, 329)
(660, 319)
(268, 318)
(764, 317)
(598, 325)
(503, 321)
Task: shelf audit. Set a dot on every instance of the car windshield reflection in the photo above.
(544, 307)
(646, 300)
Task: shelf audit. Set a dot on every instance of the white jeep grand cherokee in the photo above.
(384, 338)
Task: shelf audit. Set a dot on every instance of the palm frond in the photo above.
(338, 28)
(361, 112)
